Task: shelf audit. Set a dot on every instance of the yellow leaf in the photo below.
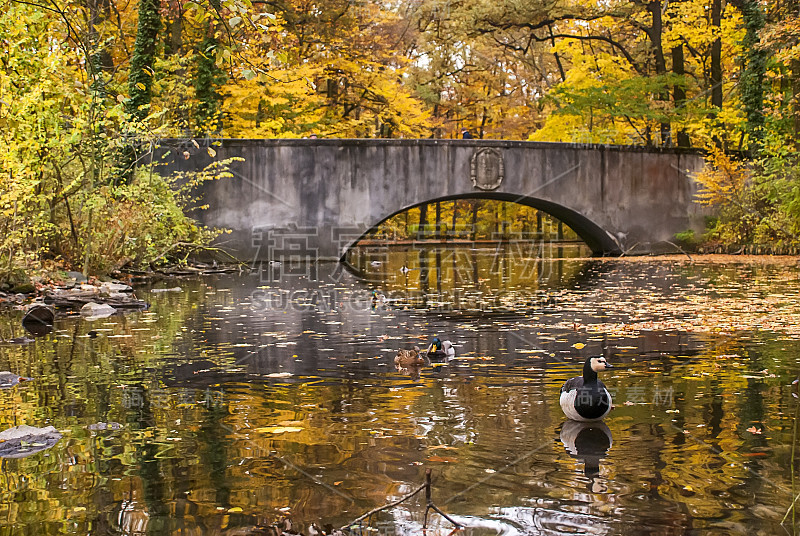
(211, 152)
(140, 86)
(578, 345)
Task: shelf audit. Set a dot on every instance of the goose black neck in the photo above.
(589, 375)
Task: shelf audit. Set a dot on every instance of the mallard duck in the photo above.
(441, 349)
(9, 379)
(409, 358)
(585, 398)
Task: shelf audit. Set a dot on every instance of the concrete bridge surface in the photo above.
(314, 198)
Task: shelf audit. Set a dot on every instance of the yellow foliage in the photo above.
(724, 179)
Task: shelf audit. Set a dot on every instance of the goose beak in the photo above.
(608, 365)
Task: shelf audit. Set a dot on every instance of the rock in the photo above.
(173, 289)
(104, 426)
(78, 297)
(39, 313)
(23, 288)
(77, 276)
(94, 310)
(38, 319)
(23, 441)
(115, 288)
(18, 277)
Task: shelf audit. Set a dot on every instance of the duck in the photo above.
(585, 398)
(377, 298)
(441, 349)
(9, 379)
(409, 358)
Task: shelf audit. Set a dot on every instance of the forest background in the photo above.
(88, 87)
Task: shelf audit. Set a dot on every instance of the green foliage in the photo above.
(142, 60)
(756, 203)
(63, 138)
(136, 223)
(687, 239)
(208, 79)
(752, 78)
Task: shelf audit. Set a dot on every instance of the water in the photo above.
(246, 399)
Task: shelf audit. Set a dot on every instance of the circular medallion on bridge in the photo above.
(486, 170)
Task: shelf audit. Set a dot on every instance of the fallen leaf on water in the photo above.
(293, 424)
(447, 447)
(578, 345)
(754, 430)
(442, 459)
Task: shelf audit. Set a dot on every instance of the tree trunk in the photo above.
(716, 70)
(679, 93)
(796, 100)
(475, 204)
(423, 222)
(438, 220)
(208, 78)
(173, 40)
(716, 56)
(455, 217)
(754, 60)
(654, 33)
(555, 54)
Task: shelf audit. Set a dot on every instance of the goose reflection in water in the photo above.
(588, 442)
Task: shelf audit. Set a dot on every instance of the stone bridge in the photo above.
(316, 197)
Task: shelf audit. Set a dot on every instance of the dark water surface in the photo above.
(243, 399)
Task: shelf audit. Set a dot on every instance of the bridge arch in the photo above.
(598, 240)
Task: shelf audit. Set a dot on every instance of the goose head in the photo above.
(598, 363)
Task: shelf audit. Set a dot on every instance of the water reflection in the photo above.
(239, 400)
(589, 443)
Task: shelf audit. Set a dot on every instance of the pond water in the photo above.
(241, 400)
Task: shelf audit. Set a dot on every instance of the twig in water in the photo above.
(794, 444)
(384, 507)
(429, 506)
(679, 249)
